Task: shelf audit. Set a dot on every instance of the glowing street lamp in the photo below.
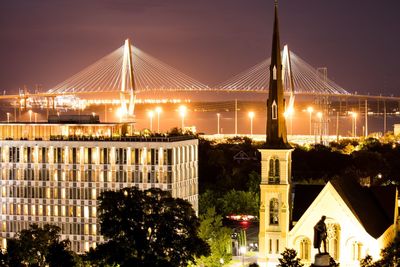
(182, 113)
(121, 113)
(251, 116)
(151, 114)
(158, 110)
(310, 110)
(218, 118)
(30, 115)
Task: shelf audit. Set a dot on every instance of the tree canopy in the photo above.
(39, 246)
(147, 228)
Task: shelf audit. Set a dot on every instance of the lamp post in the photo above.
(243, 251)
(354, 120)
(182, 113)
(151, 114)
(158, 110)
(310, 110)
(319, 115)
(30, 115)
(251, 116)
(218, 118)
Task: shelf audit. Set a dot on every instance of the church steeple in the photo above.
(276, 125)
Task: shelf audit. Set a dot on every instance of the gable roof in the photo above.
(374, 207)
(304, 195)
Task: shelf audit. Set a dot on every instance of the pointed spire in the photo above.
(276, 125)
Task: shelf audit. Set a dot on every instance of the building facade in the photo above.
(56, 179)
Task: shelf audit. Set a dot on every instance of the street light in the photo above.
(354, 116)
(289, 114)
(158, 110)
(310, 110)
(30, 115)
(151, 114)
(218, 118)
(251, 116)
(243, 251)
(319, 115)
(182, 113)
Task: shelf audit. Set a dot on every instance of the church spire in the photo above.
(276, 125)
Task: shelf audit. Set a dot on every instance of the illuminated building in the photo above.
(360, 220)
(53, 173)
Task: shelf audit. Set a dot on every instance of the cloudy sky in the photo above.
(46, 41)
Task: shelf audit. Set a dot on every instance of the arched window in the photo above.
(274, 212)
(356, 249)
(274, 111)
(274, 171)
(305, 248)
(332, 240)
(277, 174)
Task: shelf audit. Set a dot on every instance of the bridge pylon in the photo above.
(128, 89)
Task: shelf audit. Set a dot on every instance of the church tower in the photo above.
(276, 157)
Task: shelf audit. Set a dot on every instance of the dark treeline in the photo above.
(229, 168)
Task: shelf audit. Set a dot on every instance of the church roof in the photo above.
(304, 195)
(374, 207)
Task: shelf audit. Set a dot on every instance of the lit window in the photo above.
(94, 211)
(274, 111)
(86, 212)
(63, 211)
(86, 229)
(305, 246)
(94, 229)
(62, 193)
(93, 193)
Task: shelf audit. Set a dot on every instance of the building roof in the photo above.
(304, 195)
(374, 207)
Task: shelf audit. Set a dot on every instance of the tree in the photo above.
(38, 246)
(289, 259)
(240, 202)
(218, 238)
(147, 228)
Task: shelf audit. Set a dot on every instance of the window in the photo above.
(356, 251)
(305, 246)
(274, 212)
(332, 240)
(274, 171)
(274, 111)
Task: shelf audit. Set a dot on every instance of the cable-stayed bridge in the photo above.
(129, 71)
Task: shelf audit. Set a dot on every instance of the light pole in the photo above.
(319, 115)
(243, 251)
(151, 114)
(354, 116)
(251, 116)
(8, 117)
(310, 111)
(30, 115)
(158, 110)
(218, 118)
(182, 113)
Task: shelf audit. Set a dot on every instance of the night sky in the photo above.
(46, 41)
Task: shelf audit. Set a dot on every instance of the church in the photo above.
(360, 220)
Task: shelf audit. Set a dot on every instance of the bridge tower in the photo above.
(276, 156)
(128, 88)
